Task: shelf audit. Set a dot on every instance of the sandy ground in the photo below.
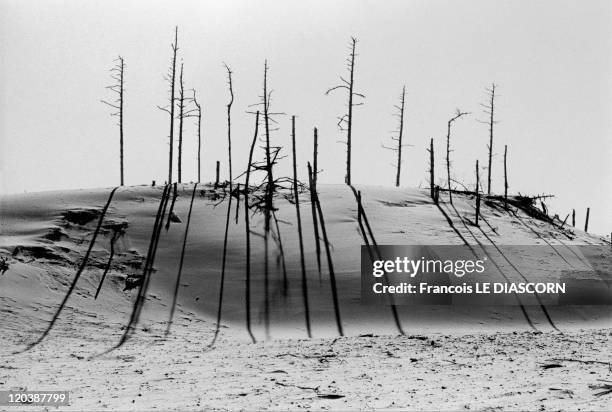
(452, 357)
(501, 371)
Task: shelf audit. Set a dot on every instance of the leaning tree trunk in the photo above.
(299, 227)
(399, 143)
(313, 189)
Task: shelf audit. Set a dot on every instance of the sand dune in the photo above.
(45, 235)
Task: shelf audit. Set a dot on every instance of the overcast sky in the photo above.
(551, 60)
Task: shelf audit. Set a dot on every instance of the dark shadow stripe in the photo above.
(77, 276)
(330, 263)
(180, 269)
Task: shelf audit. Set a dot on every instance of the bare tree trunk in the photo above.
(398, 146)
(431, 170)
(477, 194)
(573, 217)
(450, 191)
(490, 110)
(350, 112)
(347, 119)
(175, 195)
(268, 201)
(399, 143)
(118, 88)
(586, 221)
(315, 156)
(270, 177)
(448, 135)
(237, 192)
(217, 175)
(313, 189)
(121, 120)
(181, 105)
(173, 77)
(506, 176)
(299, 225)
(229, 124)
(199, 110)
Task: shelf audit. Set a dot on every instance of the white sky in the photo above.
(551, 60)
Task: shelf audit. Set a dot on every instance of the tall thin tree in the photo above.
(181, 117)
(489, 110)
(171, 78)
(431, 169)
(117, 72)
(506, 176)
(477, 194)
(458, 115)
(229, 122)
(397, 148)
(345, 122)
(199, 116)
(313, 190)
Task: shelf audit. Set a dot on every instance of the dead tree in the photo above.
(199, 116)
(181, 117)
(313, 191)
(586, 220)
(117, 72)
(229, 122)
(397, 148)
(431, 170)
(299, 226)
(184, 113)
(489, 110)
(573, 217)
(217, 174)
(269, 173)
(506, 176)
(477, 194)
(171, 78)
(171, 212)
(271, 152)
(237, 192)
(345, 122)
(458, 115)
